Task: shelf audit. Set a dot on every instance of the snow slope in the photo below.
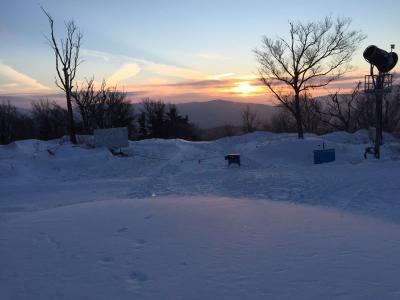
(173, 221)
(197, 248)
(275, 166)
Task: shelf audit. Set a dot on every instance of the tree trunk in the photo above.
(71, 120)
(299, 120)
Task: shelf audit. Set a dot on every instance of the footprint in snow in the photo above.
(138, 276)
(123, 229)
(139, 243)
(106, 259)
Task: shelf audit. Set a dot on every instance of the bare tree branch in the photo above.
(316, 54)
(66, 53)
(249, 120)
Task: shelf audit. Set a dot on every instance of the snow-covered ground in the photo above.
(172, 221)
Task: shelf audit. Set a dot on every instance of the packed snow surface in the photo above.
(173, 221)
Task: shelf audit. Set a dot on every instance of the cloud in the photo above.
(97, 54)
(221, 76)
(18, 81)
(195, 90)
(108, 57)
(226, 88)
(157, 81)
(146, 65)
(172, 71)
(125, 72)
(212, 56)
(194, 85)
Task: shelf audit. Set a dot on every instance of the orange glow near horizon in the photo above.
(239, 88)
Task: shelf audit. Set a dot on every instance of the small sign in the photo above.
(111, 137)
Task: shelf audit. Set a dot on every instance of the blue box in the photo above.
(324, 156)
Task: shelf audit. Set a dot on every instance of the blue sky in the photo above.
(159, 47)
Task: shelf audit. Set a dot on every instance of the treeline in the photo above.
(105, 107)
(334, 112)
(339, 112)
(47, 120)
(158, 120)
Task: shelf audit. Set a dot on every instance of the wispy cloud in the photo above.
(212, 56)
(106, 56)
(198, 90)
(97, 54)
(172, 71)
(125, 72)
(221, 76)
(194, 85)
(146, 65)
(19, 82)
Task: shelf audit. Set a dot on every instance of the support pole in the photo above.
(378, 114)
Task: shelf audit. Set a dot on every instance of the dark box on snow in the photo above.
(324, 156)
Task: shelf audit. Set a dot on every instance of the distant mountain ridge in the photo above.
(218, 113)
(205, 115)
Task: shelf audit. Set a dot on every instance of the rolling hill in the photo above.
(218, 113)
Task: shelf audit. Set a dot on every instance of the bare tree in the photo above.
(249, 120)
(8, 115)
(284, 121)
(340, 110)
(116, 108)
(311, 118)
(86, 99)
(67, 61)
(314, 55)
(104, 107)
(365, 114)
(14, 125)
(49, 119)
(355, 111)
(391, 111)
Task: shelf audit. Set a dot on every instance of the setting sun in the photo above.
(245, 88)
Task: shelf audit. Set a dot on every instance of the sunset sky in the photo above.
(177, 51)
